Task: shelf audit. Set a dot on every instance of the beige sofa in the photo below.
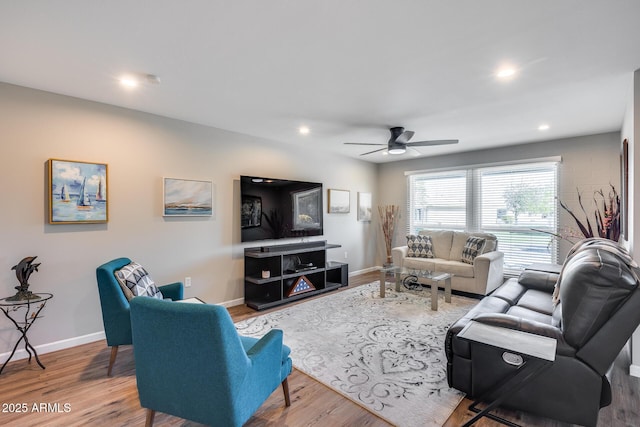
(481, 277)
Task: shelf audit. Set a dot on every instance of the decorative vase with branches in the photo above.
(607, 215)
(388, 218)
(606, 218)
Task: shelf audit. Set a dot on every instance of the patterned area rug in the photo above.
(384, 354)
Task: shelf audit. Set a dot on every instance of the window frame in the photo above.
(473, 206)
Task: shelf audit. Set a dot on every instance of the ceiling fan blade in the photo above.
(374, 151)
(361, 143)
(413, 151)
(404, 137)
(434, 142)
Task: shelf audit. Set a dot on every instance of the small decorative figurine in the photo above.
(23, 270)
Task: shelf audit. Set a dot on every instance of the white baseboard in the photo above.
(232, 303)
(634, 371)
(55, 346)
(365, 270)
(97, 336)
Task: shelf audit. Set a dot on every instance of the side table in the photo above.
(411, 281)
(32, 308)
(530, 353)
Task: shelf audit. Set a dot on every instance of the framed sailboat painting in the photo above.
(77, 192)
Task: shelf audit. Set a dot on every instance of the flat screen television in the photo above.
(279, 208)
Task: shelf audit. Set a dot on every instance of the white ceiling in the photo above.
(347, 69)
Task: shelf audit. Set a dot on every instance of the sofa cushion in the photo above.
(420, 263)
(511, 291)
(525, 313)
(135, 281)
(419, 246)
(441, 241)
(457, 268)
(537, 300)
(541, 280)
(459, 239)
(472, 248)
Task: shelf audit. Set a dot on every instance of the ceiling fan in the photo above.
(399, 142)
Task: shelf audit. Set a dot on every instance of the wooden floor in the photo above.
(74, 390)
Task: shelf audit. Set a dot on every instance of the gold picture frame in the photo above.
(77, 192)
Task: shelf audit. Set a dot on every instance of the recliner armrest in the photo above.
(175, 291)
(531, 326)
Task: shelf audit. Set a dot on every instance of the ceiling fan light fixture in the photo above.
(397, 150)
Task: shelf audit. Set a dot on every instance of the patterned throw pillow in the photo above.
(419, 246)
(472, 248)
(135, 281)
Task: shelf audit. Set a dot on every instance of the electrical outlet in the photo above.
(345, 255)
(187, 282)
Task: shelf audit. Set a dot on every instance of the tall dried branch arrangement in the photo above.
(606, 215)
(388, 217)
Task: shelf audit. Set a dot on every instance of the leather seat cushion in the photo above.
(528, 314)
(537, 301)
(511, 291)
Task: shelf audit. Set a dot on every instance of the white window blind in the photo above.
(515, 202)
(437, 201)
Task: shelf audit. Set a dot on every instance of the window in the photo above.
(438, 200)
(515, 202)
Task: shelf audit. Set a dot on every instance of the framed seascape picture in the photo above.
(187, 197)
(77, 192)
(364, 206)
(339, 201)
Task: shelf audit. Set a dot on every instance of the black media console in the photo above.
(279, 274)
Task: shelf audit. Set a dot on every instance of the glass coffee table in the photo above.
(413, 278)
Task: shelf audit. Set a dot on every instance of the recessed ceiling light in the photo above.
(304, 130)
(506, 72)
(543, 127)
(129, 82)
(133, 80)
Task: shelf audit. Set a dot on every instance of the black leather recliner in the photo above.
(597, 311)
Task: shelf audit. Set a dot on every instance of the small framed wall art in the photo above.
(187, 197)
(251, 212)
(364, 206)
(339, 201)
(77, 192)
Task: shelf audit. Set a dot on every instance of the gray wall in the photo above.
(140, 149)
(589, 163)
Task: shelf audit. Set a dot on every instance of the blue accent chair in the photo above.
(192, 363)
(115, 306)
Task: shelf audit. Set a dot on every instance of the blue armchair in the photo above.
(115, 306)
(192, 363)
